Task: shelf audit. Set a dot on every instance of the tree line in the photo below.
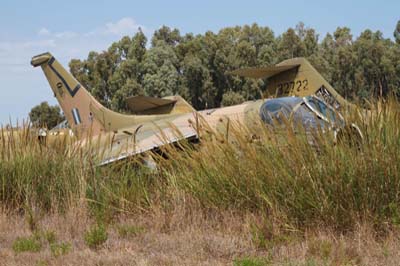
(197, 66)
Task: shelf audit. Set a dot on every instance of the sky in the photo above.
(71, 29)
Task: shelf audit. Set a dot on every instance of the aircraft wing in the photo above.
(149, 136)
(263, 72)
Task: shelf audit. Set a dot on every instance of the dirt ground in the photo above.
(191, 240)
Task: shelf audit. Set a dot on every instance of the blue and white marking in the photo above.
(76, 116)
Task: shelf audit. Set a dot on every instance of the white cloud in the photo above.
(65, 44)
(17, 73)
(124, 26)
(43, 32)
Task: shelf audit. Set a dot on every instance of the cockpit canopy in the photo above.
(310, 112)
(278, 109)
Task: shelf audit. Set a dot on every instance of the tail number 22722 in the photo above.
(294, 86)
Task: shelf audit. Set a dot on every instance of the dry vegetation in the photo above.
(246, 202)
(225, 239)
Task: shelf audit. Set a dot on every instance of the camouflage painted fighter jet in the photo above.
(157, 121)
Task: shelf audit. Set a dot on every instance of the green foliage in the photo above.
(165, 34)
(197, 67)
(290, 45)
(396, 32)
(160, 76)
(59, 249)
(231, 98)
(50, 237)
(290, 181)
(35, 243)
(41, 263)
(32, 175)
(250, 261)
(26, 244)
(45, 115)
(96, 236)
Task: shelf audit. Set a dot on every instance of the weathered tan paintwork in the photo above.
(121, 135)
(145, 105)
(296, 77)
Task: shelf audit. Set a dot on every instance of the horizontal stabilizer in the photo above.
(263, 72)
(140, 104)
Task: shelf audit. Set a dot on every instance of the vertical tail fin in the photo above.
(295, 77)
(84, 113)
(73, 98)
(306, 80)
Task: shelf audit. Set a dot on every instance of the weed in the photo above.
(311, 262)
(50, 236)
(26, 244)
(258, 237)
(385, 250)
(59, 249)
(96, 236)
(249, 261)
(31, 219)
(41, 263)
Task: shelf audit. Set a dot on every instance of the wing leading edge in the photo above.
(263, 72)
(146, 137)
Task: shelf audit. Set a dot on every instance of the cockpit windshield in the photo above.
(321, 108)
(310, 112)
(275, 110)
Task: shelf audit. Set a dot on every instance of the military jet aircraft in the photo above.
(157, 122)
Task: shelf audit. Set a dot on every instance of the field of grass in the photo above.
(248, 200)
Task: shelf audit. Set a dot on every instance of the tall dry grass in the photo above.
(279, 176)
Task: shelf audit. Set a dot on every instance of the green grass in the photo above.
(49, 236)
(96, 236)
(26, 244)
(59, 249)
(41, 263)
(251, 262)
(40, 239)
(292, 183)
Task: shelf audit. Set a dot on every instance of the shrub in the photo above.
(26, 244)
(50, 236)
(251, 262)
(41, 263)
(59, 249)
(96, 236)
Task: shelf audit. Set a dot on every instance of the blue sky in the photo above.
(70, 29)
